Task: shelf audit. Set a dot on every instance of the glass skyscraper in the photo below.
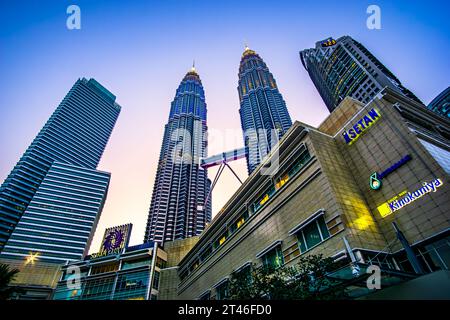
(51, 201)
(177, 208)
(263, 112)
(344, 67)
(441, 104)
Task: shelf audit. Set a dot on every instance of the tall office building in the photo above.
(177, 208)
(51, 201)
(441, 104)
(263, 112)
(344, 67)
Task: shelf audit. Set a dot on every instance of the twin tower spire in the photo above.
(180, 206)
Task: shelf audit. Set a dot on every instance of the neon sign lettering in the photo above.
(328, 42)
(361, 126)
(397, 204)
(375, 178)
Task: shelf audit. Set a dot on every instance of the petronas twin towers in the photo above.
(51, 201)
(181, 204)
(178, 209)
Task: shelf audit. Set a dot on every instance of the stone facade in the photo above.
(330, 187)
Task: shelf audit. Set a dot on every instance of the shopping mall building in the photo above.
(338, 190)
(116, 272)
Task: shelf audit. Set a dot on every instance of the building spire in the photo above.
(247, 50)
(193, 66)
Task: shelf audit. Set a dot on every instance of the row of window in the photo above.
(308, 237)
(256, 205)
(128, 286)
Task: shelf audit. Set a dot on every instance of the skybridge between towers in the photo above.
(222, 161)
(222, 158)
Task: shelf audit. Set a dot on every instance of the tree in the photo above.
(312, 281)
(6, 276)
(306, 281)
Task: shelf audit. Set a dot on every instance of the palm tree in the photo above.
(6, 276)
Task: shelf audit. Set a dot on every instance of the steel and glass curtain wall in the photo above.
(73, 139)
(178, 209)
(263, 112)
(344, 67)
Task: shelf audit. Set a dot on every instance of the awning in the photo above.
(267, 249)
(307, 221)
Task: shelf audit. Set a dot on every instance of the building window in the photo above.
(194, 265)
(184, 274)
(105, 268)
(245, 273)
(135, 263)
(441, 155)
(312, 234)
(156, 280)
(264, 198)
(160, 263)
(205, 296)
(222, 291)
(206, 253)
(281, 181)
(98, 289)
(221, 240)
(239, 221)
(131, 285)
(273, 258)
(435, 256)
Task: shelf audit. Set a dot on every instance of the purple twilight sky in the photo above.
(140, 50)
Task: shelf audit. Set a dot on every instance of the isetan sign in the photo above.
(363, 124)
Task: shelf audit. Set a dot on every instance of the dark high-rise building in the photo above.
(177, 208)
(51, 201)
(344, 67)
(264, 115)
(441, 104)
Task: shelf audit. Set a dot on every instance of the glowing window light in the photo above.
(264, 200)
(240, 222)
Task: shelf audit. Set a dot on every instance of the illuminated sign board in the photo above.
(375, 178)
(115, 240)
(407, 198)
(363, 124)
(328, 42)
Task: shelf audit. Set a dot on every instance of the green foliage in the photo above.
(6, 276)
(306, 281)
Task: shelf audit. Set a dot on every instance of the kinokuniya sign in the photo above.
(375, 178)
(410, 197)
(362, 125)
